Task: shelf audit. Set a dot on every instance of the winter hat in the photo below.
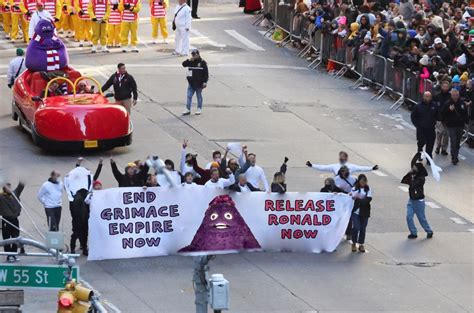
(20, 52)
(399, 23)
(456, 79)
(465, 76)
(438, 41)
(412, 33)
(425, 60)
(96, 182)
(214, 164)
(342, 20)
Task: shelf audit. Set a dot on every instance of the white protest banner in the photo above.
(133, 222)
(235, 148)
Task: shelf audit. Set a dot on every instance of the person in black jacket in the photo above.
(197, 76)
(330, 186)
(10, 209)
(278, 184)
(454, 114)
(125, 87)
(362, 196)
(424, 117)
(442, 139)
(415, 179)
(134, 176)
(242, 185)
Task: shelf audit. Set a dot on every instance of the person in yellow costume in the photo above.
(99, 11)
(113, 24)
(66, 24)
(129, 9)
(158, 19)
(7, 17)
(84, 24)
(18, 9)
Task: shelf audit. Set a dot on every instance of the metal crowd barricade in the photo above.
(412, 87)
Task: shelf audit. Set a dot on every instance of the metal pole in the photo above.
(201, 269)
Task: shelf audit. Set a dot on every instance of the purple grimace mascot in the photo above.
(46, 52)
(222, 228)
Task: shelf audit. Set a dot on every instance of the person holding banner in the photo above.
(187, 161)
(415, 179)
(134, 176)
(278, 184)
(216, 157)
(362, 196)
(242, 185)
(255, 174)
(330, 186)
(343, 158)
(217, 182)
(188, 181)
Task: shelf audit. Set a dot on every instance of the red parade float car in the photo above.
(72, 118)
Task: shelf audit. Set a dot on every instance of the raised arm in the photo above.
(320, 167)
(229, 181)
(98, 170)
(115, 170)
(18, 190)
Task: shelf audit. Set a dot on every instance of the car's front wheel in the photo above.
(14, 114)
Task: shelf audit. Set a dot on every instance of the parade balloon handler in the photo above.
(415, 179)
(125, 87)
(222, 228)
(10, 210)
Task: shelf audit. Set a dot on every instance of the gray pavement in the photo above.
(272, 102)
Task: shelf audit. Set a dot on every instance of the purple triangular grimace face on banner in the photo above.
(222, 228)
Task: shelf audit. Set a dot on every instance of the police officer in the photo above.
(424, 117)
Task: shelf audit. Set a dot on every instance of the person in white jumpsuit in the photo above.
(182, 20)
(38, 16)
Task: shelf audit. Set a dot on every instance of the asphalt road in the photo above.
(265, 96)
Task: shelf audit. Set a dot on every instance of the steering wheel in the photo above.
(84, 78)
(58, 79)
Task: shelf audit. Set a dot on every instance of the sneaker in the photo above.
(363, 87)
(154, 42)
(105, 50)
(81, 43)
(196, 17)
(135, 49)
(444, 152)
(11, 259)
(73, 252)
(455, 161)
(17, 259)
(94, 49)
(186, 112)
(165, 41)
(361, 248)
(354, 247)
(124, 50)
(198, 112)
(429, 235)
(437, 150)
(175, 53)
(85, 252)
(412, 236)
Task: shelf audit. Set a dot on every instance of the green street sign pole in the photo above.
(35, 276)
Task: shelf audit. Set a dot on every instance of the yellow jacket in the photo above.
(22, 6)
(90, 10)
(135, 9)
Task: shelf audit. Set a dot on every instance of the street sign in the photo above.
(34, 276)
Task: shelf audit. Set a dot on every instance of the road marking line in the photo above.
(458, 220)
(198, 34)
(244, 40)
(432, 205)
(471, 230)
(403, 188)
(379, 173)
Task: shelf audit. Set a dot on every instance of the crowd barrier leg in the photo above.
(259, 18)
(319, 55)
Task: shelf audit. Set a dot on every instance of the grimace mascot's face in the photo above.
(222, 217)
(45, 28)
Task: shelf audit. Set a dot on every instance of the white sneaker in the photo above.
(198, 112)
(165, 41)
(186, 112)
(105, 50)
(175, 53)
(93, 49)
(125, 49)
(81, 43)
(154, 42)
(135, 49)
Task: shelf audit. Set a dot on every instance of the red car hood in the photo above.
(83, 117)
